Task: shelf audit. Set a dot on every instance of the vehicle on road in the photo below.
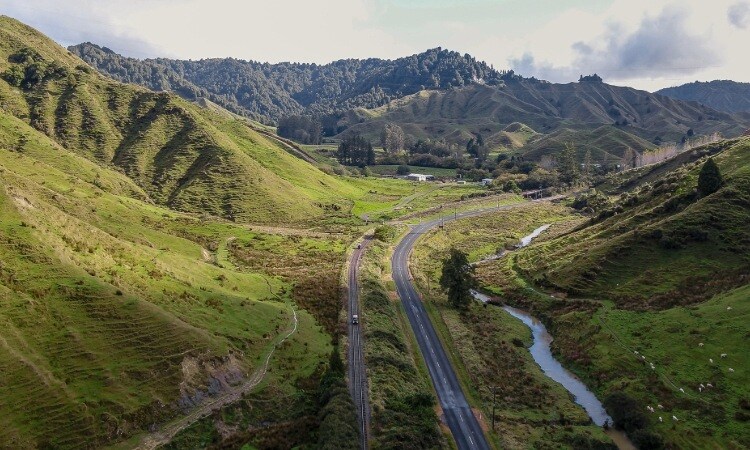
(359, 246)
(355, 319)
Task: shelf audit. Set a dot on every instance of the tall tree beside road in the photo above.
(457, 279)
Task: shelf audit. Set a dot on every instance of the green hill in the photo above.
(722, 95)
(113, 314)
(459, 113)
(606, 143)
(180, 155)
(270, 91)
(659, 243)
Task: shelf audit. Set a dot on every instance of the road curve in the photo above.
(357, 371)
(458, 415)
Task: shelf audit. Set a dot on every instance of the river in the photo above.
(540, 351)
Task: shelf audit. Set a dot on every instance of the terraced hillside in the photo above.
(722, 95)
(545, 107)
(114, 316)
(180, 155)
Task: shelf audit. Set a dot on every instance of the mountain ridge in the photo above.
(723, 95)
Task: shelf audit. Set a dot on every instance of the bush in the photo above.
(384, 233)
(647, 440)
(403, 169)
(709, 179)
(626, 413)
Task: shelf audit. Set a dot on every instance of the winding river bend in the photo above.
(540, 351)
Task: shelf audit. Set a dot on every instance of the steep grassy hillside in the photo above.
(180, 155)
(606, 143)
(644, 298)
(661, 243)
(114, 312)
(722, 95)
(545, 107)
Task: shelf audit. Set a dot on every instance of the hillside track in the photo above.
(458, 415)
(357, 368)
(229, 396)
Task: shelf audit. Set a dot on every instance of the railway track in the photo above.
(357, 369)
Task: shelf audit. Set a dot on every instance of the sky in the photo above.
(647, 44)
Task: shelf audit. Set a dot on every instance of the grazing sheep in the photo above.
(682, 390)
(636, 352)
(723, 355)
(650, 408)
(653, 366)
(731, 370)
(729, 308)
(660, 419)
(660, 406)
(709, 385)
(675, 418)
(711, 360)
(700, 344)
(702, 387)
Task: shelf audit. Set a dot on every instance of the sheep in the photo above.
(636, 352)
(702, 386)
(711, 360)
(729, 308)
(709, 385)
(675, 418)
(700, 344)
(731, 370)
(723, 355)
(653, 366)
(660, 406)
(660, 419)
(700, 389)
(650, 408)
(682, 390)
(643, 357)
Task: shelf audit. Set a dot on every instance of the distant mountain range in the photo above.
(723, 95)
(434, 94)
(268, 92)
(607, 119)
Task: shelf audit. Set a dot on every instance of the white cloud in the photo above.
(739, 15)
(646, 43)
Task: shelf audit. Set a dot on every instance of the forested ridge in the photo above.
(268, 92)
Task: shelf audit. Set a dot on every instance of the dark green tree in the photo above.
(709, 179)
(567, 165)
(457, 279)
(625, 411)
(355, 150)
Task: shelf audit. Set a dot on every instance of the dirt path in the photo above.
(291, 231)
(168, 431)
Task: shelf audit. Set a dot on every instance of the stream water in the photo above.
(540, 351)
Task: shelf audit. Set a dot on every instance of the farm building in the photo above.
(419, 177)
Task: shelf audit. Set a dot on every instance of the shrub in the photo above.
(647, 440)
(709, 179)
(403, 169)
(625, 411)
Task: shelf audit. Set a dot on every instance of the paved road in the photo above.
(458, 415)
(357, 370)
